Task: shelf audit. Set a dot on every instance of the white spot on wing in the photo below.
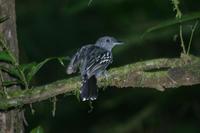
(84, 99)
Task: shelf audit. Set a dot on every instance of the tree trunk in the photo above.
(10, 121)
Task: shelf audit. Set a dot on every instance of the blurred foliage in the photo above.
(37, 130)
(168, 23)
(58, 28)
(22, 74)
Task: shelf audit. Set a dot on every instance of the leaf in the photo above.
(171, 22)
(4, 56)
(10, 83)
(62, 59)
(3, 19)
(32, 68)
(12, 71)
(27, 67)
(36, 68)
(38, 129)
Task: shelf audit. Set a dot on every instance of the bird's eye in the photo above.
(107, 40)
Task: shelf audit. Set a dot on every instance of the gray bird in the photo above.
(92, 61)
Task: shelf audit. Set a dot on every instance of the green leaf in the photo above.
(36, 68)
(62, 59)
(13, 71)
(171, 22)
(38, 129)
(4, 56)
(27, 67)
(33, 68)
(3, 19)
(10, 83)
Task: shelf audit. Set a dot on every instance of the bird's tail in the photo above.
(89, 89)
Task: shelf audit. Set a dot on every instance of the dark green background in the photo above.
(48, 28)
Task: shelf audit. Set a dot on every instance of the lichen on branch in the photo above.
(158, 73)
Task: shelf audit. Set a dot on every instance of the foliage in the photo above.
(180, 19)
(22, 73)
(38, 129)
(171, 22)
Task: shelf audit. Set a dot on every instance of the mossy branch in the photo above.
(158, 73)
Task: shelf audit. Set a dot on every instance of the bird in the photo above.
(92, 61)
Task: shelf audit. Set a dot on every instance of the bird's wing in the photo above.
(73, 65)
(77, 59)
(97, 61)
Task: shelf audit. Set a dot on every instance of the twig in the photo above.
(181, 37)
(31, 108)
(24, 119)
(191, 36)
(179, 17)
(54, 100)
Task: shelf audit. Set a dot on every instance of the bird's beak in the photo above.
(119, 43)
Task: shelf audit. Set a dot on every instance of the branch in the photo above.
(158, 73)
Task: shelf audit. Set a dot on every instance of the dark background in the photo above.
(49, 28)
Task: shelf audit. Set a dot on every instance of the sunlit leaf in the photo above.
(172, 22)
(38, 129)
(4, 56)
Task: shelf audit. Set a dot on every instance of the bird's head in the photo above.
(107, 42)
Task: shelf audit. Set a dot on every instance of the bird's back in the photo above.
(92, 60)
(95, 60)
